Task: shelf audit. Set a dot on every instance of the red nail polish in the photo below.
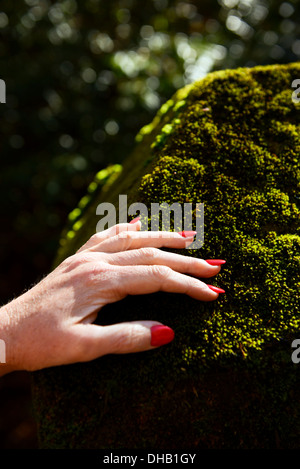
(216, 289)
(135, 220)
(161, 335)
(215, 261)
(187, 234)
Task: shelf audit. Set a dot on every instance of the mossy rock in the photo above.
(230, 141)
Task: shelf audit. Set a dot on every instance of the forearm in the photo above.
(15, 334)
(23, 325)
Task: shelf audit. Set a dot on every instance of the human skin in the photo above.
(51, 324)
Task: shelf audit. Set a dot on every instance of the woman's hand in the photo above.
(52, 323)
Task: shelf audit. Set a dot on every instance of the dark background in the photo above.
(82, 77)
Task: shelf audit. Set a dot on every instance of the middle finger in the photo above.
(154, 256)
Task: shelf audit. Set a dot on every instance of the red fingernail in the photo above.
(135, 220)
(161, 335)
(216, 289)
(187, 234)
(215, 261)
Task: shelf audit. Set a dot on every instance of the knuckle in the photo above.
(78, 259)
(84, 258)
(125, 234)
(149, 253)
(87, 267)
(98, 236)
(122, 341)
(92, 241)
(127, 341)
(97, 271)
(161, 272)
(126, 239)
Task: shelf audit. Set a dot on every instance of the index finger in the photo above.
(137, 239)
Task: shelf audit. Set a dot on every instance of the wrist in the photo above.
(7, 362)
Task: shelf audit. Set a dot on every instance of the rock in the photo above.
(230, 141)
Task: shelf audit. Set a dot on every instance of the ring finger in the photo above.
(127, 240)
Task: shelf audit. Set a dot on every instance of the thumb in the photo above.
(125, 337)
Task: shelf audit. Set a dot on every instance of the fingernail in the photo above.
(187, 234)
(216, 289)
(161, 335)
(215, 261)
(135, 220)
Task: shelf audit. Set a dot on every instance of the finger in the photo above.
(99, 237)
(122, 338)
(140, 280)
(154, 256)
(127, 240)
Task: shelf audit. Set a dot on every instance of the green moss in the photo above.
(230, 141)
(77, 218)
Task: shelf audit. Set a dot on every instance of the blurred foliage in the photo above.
(83, 77)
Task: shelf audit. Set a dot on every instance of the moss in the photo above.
(230, 141)
(77, 218)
